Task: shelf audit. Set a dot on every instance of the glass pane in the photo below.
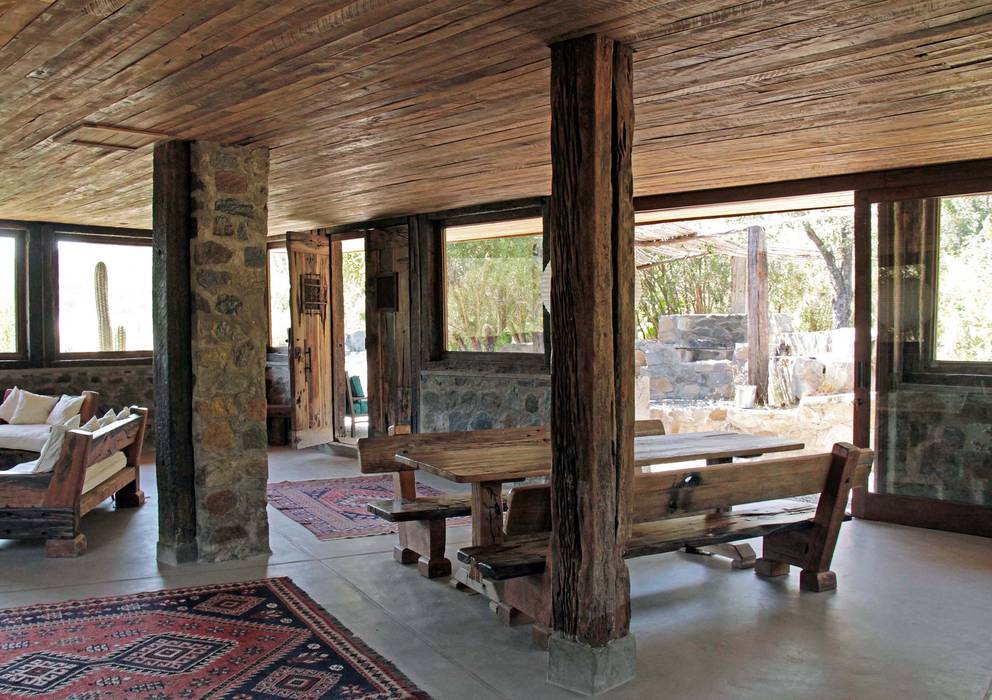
(933, 430)
(493, 287)
(964, 319)
(105, 297)
(279, 318)
(8, 298)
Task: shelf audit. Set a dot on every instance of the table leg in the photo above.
(487, 528)
(741, 556)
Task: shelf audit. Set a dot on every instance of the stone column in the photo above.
(227, 228)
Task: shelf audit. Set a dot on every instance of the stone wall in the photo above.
(473, 400)
(939, 443)
(818, 421)
(277, 389)
(693, 330)
(228, 258)
(117, 385)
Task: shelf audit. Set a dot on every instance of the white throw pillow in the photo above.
(108, 418)
(9, 404)
(32, 409)
(52, 450)
(91, 425)
(123, 413)
(66, 408)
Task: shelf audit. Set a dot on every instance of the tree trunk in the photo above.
(840, 276)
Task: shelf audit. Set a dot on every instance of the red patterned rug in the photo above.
(336, 508)
(259, 639)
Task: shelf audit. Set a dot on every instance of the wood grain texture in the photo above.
(757, 313)
(422, 508)
(310, 352)
(493, 458)
(387, 331)
(431, 104)
(172, 361)
(592, 368)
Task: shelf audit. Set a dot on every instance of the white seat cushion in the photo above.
(24, 437)
(97, 473)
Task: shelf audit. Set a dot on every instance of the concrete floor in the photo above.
(912, 617)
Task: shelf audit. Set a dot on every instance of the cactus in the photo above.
(102, 307)
(120, 340)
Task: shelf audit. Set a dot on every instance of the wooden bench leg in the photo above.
(129, 497)
(813, 549)
(421, 541)
(769, 568)
(741, 556)
(69, 547)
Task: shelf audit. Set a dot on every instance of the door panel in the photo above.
(387, 322)
(310, 353)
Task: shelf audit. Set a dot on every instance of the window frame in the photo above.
(441, 358)
(932, 285)
(19, 235)
(86, 234)
(920, 363)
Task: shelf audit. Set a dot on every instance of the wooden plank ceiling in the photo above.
(381, 107)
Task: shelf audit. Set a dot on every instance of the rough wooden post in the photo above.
(757, 312)
(592, 367)
(172, 368)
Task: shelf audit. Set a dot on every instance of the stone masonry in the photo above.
(228, 256)
(467, 400)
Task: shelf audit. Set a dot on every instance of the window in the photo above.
(964, 268)
(104, 295)
(493, 287)
(11, 292)
(279, 318)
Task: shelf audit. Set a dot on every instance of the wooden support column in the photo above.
(172, 364)
(592, 367)
(757, 312)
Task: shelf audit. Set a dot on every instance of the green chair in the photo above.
(358, 402)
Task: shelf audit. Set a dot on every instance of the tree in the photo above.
(837, 239)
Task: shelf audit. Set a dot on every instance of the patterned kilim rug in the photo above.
(259, 639)
(336, 508)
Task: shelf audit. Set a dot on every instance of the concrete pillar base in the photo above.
(590, 670)
(176, 554)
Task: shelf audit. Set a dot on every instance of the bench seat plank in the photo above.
(401, 510)
(525, 554)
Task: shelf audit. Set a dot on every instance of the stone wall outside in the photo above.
(453, 401)
(228, 260)
(939, 443)
(118, 386)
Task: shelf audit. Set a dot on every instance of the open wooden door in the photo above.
(310, 352)
(387, 323)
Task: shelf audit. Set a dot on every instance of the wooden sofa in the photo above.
(421, 519)
(691, 508)
(11, 456)
(49, 506)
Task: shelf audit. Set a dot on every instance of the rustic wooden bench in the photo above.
(50, 505)
(682, 508)
(421, 519)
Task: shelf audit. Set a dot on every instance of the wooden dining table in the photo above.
(487, 468)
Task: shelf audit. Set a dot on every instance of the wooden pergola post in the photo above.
(592, 365)
(757, 312)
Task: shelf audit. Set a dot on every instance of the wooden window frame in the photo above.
(923, 367)
(99, 236)
(439, 357)
(38, 270)
(19, 235)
